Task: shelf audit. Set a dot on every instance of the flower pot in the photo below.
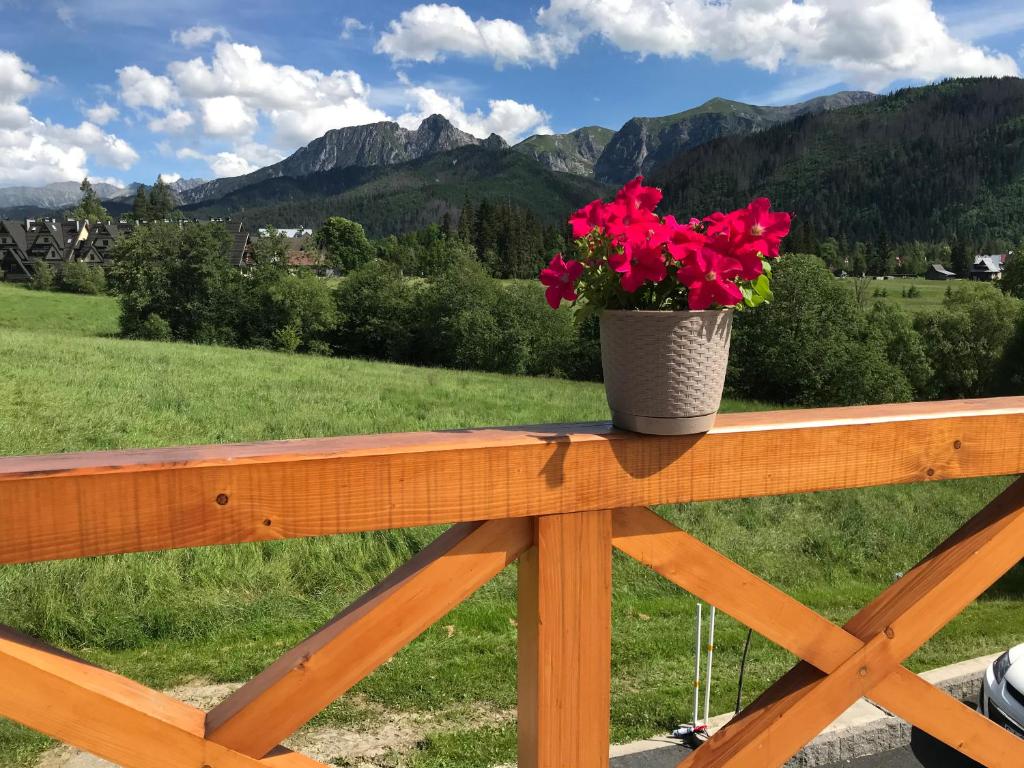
(664, 371)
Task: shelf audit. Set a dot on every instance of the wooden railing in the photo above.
(557, 499)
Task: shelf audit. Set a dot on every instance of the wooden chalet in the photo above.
(14, 262)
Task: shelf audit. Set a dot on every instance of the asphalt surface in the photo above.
(923, 752)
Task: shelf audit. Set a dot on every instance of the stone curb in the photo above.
(864, 729)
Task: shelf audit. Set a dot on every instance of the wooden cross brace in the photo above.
(841, 664)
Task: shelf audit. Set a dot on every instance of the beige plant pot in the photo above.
(664, 371)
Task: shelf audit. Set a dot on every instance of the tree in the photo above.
(344, 242)
(161, 200)
(89, 208)
(78, 277)
(140, 206)
(42, 277)
(960, 261)
(1013, 274)
(811, 345)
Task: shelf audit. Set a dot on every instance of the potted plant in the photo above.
(665, 292)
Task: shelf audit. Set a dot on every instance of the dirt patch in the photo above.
(384, 740)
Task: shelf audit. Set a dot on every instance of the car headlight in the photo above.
(1000, 667)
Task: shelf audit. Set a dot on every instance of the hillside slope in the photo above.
(644, 143)
(574, 152)
(397, 198)
(927, 163)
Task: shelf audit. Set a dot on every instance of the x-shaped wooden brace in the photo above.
(864, 657)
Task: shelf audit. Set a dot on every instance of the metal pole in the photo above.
(696, 670)
(711, 653)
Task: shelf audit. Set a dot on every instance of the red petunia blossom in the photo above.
(637, 197)
(708, 279)
(587, 218)
(762, 229)
(683, 240)
(560, 277)
(638, 263)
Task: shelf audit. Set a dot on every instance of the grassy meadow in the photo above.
(222, 614)
(932, 292)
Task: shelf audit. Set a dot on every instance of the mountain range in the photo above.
(929, 163)
(66, 194)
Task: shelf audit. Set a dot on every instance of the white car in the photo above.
(1002, 691)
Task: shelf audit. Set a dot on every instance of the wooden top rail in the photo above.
(76, 505)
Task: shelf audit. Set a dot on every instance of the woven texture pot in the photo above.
(664, 371)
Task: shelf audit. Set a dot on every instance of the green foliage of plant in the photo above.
(893, 328)
(78, 277)
(89, 207)
(967, 339)
(344, 242)
(376, 316)
(43, 277)
(811, 345)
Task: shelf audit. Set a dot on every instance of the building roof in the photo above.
(942, 270)
(987, 264)
(17, 233)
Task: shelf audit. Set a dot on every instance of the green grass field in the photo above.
(932, 292)
(221, 614)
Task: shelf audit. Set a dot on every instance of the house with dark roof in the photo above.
(987, 268)
(938, 272)
(14, 264)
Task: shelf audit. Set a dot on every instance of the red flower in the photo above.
(683, 239)
(591, 215)
(560, 277)
(749, 233)
(637, 197)
(638, 263)
(708, 278)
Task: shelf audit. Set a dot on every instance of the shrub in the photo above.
(155, 328)
(893, 328)
(811, 345)
(913, 292)
(344, 243)
(42, 277)
(375, 313)
(967, 338)
(78, 277)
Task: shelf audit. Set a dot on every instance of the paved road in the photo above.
(923, 752)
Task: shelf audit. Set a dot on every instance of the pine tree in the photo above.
(467, 221)
(960, 261)
(89, 208)
(161, 201)
(140, 206)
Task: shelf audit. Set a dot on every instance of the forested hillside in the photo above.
(941, 162)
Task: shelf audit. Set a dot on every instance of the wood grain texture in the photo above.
(77, 505)
(565, 642)
(714, 578)
(109, 715)
(281, 699)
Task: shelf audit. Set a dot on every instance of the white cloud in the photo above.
(427, 32)
(227, 116)
(175, 121)
(871, 43)
(141, 88)
(170, 178)
(34, 151)
(66, 14)
(507, 118)
(349, 26)
(246, 158)
(102, 114)
(197, 35)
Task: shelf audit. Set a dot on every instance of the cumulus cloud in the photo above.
(141, 88)
(197, 35)
(507, 118)
(872, 43)
(428, 32)
(170, 178)
(227, 116)
(34, 151)
(175, 121)
(102, 114)
(246, 158)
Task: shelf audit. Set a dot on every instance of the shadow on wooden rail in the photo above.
(555, 499)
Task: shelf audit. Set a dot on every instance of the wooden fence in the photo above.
(557, 499)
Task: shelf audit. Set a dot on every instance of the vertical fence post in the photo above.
(565, 584)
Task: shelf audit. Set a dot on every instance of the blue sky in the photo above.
(126, 90)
